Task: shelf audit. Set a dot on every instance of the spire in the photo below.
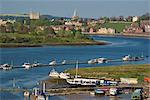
(75, 13)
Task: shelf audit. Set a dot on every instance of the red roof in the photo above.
(147, 80)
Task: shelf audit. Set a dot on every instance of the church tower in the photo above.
(75, 17)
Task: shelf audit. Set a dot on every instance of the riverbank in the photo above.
(15, 45)
(143, 35)
(128, 71)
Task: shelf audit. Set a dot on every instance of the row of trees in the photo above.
(27, 26)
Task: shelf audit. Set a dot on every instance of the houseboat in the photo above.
(82, 82)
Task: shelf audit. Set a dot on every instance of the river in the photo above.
(119, 47)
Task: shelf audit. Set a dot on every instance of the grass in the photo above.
(29, 39)
(126, 71)
(117, 26)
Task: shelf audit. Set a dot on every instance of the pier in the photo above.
(63, 64)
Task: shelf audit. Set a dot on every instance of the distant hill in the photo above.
(22, 16)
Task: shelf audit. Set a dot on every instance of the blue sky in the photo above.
(85, 8)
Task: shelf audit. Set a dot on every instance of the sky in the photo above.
(85, 8)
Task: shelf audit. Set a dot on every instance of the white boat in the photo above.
(92, 93)
(41, 97)
(26, 94)
(113, 91)
(64, 75)
(82, 81)
(92, 61)
(35, 64)
(99, 92)
(27, 65)
(54, 73)
(101, 60)
(6, 67)
(127, 58)
(63, 62)
(52, 63)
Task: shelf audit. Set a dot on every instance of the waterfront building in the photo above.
(134, 28)
(34, 15)
(102, 30)
(91, 30)
(128, 80)
(106, 31)
(147, 28)
(112, 31)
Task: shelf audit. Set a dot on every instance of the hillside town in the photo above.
(103, 25)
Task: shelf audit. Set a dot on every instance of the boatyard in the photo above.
(80, 83)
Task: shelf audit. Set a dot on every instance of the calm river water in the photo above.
(119, 47)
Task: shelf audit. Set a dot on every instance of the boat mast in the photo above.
(77, 69)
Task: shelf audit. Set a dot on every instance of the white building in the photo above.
(128, 80)
(134, 19)
(34, 15)
(147, 28)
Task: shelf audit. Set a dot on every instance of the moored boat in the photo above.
(52, 63)
(99, 92)
(54, 74)
(92, 61)
(27, 65)
(63, 62)
(101, 60)
(130, 58)
(64, 75)
(113, 91)
(36, 64)
(82, 82)
(6, 67)
(127, 58)
(26, 93)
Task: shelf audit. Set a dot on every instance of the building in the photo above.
(34, 15)
(91, 30)
(75, 16)
(134, 19)
(134, 28)
(128, 80)
(106, 31)
(73, 23)
(112, 31)
(147, 28)
(4, 22)
(102, 30)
